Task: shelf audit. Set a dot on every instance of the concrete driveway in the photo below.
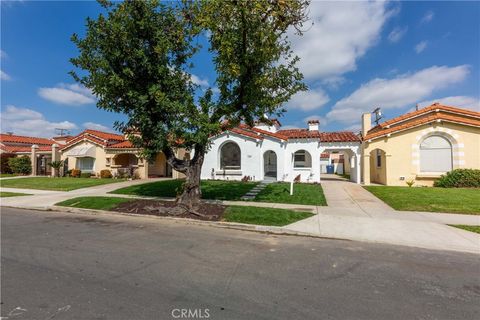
(356, 214)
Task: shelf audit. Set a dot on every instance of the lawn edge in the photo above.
(218, 224)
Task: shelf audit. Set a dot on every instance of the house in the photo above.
(268, 152)
(420, 145)
(39, 149)
(92, 151)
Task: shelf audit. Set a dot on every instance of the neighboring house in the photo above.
(420, 145)
(92, 151)
(267, 152)
(38, 148)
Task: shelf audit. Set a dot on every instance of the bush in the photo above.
(105, 174)
(20, 165)
(4, 167)
(68, 173)
(75, 173)
(86, 175)
(459, 178)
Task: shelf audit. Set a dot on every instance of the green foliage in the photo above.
(410, 182)
(85, 175)
(460, 178)
(105, 174)
(20, 165)
(56, 165)
(4, 167)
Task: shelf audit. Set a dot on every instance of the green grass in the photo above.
(453, 200)
(98, 203)
(57, 184)
(6, 175)
(263, 216)
(218, 190)
(5, 194)
(468, 228)
(250, 215)
(303, 193)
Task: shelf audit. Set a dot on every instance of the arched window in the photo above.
(230, 156)
(435, 155)
(302, 159)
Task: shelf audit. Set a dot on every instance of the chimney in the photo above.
(313, 125)
(366, 123)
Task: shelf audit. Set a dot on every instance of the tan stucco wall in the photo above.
(101, 163)
(402, 153)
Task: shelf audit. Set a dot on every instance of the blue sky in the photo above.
(355, 56)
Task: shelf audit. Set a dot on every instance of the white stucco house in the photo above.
(266, 152)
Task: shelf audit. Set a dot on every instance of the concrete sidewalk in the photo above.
(352, 213)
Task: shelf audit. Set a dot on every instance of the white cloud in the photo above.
(428, 17)
(398, 92)
(455, 101)
(69, 94)
(341, 33)
(333, 82)
(4, 76)
(397, 34)
(308, 100)
(421, 46)
(96, 126)
(200, 82)
(28, 122)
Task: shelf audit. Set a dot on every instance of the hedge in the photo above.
(459, 178)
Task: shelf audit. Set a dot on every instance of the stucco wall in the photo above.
(402, 156)
(252, 160)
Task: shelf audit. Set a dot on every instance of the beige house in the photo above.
(420, 145)
(92, 151)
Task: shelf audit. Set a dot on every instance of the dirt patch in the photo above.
(211, 212)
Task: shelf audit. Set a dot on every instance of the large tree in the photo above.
(137, 58)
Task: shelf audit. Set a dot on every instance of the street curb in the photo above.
(217, 224)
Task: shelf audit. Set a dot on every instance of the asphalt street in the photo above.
(69, 266)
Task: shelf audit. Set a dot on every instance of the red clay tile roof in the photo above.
(342, 136)
(105, 139)
(105, 135)
(122, 145)
(17, 149)
(435, 112)
(7, 138)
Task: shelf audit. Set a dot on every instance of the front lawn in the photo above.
(6, 175)
(98, 203)
(264, 216)
(250, 215)
(5, 194)
(453, 200)
(211, 189)
(303, 193)
(468, 228)
(57, 184)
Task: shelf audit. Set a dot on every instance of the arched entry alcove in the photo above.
(270, 165)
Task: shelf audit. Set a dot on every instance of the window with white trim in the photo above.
(435, 154)
(86, 164)
(302, 159)
(230, 156)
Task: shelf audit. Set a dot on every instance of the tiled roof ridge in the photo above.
(33, 140)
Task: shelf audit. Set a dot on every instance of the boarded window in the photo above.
(435, 155)
(302, 159)
(230, 156)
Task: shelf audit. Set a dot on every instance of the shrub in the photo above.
(68, 173)
(4, 167)
(85, 175)
(459, 178)
(105, 174)
(20, 165)
(75, 173)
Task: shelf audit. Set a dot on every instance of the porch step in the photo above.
(252, 194)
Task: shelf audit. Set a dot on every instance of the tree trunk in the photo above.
(191, 195)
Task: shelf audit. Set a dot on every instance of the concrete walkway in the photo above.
(43, 199)
(354, 213)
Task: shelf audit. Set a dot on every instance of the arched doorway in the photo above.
(270, 165)
(378, 166)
